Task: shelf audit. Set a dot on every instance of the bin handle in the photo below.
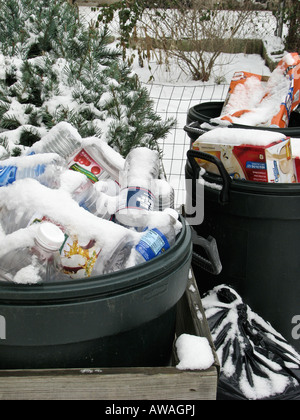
(212, 264)
(194, 128)
(196, 154)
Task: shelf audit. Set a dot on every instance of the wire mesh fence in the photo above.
(175, 102)
(259, 24)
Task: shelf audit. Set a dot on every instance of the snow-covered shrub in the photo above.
(55, 68)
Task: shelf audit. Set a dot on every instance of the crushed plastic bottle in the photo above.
(137, 182)
(97, 202)
(36, 263)
(62, 139)
(46, 168)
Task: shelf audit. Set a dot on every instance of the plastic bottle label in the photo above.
(152, 244)
(7, 175)
(84, 163)
(77, 260)
(136, 198)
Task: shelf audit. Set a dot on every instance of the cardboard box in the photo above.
(295, 146)
(271, 163)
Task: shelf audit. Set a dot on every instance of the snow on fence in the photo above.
(175, 101)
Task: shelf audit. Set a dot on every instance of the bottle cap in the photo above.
(50, 236)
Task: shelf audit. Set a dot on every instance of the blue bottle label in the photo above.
(152, 244)
(7, 175)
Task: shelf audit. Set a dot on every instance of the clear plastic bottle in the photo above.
(37, 263)
(97, 202)
(62, 139)
(109, 187)
(157, 240)
(137, 184)
(45, 168)
(117, 258)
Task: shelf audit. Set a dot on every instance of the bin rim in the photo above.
(245, 186)
(104, 286)
(195, 113)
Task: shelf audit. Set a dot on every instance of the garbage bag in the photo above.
(257, 363)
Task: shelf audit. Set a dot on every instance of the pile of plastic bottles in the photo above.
(73, 208)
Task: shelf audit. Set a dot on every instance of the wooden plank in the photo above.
(123, 384)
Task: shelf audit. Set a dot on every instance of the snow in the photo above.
(27, 275)
(59, 206)
(240, 136)
(194, 353)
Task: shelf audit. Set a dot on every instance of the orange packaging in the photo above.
(289, 68)
(239, 78)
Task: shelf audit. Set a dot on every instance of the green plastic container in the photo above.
(119, 320)
(256, 227)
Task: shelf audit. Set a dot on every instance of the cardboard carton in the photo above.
(271, 163)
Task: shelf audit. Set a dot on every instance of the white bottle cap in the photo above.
(50, 236)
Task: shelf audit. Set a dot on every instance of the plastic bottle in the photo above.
(157, 240)
(117, 258)
(137, 184)
(97, 160)
(46, 168)
(62, 139)
(153, 243)
(108, 187)
(97, 202)
(37, 263)
(164, 196)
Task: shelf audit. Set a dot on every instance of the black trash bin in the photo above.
(124, 319)
(202, 113)
(257, 230)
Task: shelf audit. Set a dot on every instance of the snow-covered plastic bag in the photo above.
(256, 362)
